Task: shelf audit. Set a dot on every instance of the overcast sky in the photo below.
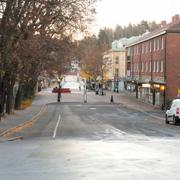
(122, 12)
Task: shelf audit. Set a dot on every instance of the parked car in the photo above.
(173, 112)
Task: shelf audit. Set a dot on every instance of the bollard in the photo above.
(59, 97)
(112, 100)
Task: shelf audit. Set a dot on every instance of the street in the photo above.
(96, 140)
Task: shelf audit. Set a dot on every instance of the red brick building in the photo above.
(153, 64)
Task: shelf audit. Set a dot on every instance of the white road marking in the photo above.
(92, 108)
(57, 124)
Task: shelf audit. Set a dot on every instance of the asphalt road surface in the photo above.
(93, 141)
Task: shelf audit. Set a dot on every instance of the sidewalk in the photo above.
(133, 103)
(21, 116)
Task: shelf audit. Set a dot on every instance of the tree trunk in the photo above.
(9, 101)
(18, 98)
(29, 90)
(2, 96)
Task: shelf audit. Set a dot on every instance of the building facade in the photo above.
(114, 61)
(153, 64)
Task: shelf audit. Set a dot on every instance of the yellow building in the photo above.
(114, 61)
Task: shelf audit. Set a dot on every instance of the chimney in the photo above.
(163, 23)
(176, 17)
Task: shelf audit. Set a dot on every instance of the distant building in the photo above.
(153, 64)
(75, 66)
(114, 60)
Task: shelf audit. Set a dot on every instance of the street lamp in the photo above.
(116, 83)
(103, 66)
(59, 90)
(102, 93)
(85, 91)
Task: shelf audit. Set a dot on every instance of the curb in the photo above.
(15, 138)
(25, 124)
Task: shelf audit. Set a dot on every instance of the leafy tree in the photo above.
(134, 30)
(105, 36)
(118, 32)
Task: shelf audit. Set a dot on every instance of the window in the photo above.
(142, 48)
(162, 66)
(158, 44)
(129, 52)
(142, 67)
(134, 67)
(134, 50)
(149, 66)
(157, 66)
(162, 43)
(147, 48)
(117, 72)
(150, 46)
(137, 50)
(117, 60)
(154, 44)
(154, 68)
(146, 66)
(137, 67)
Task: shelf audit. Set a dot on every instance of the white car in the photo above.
(173, 113)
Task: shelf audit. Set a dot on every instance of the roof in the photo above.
(173, 27)
(119, 45)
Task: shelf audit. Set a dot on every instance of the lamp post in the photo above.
(102, 93)
(116, 83)
(85, 91)
(103, 66)
(59, 90)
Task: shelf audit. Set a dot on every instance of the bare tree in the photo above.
(91, 52)
(22, 19)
